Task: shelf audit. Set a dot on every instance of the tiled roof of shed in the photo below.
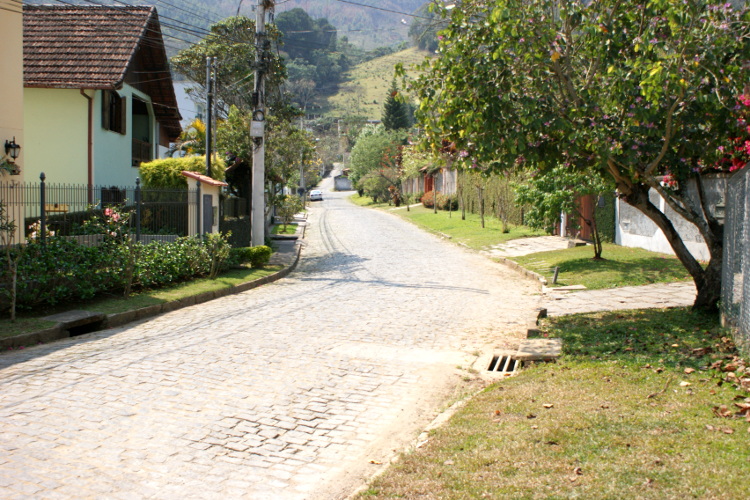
(93, 47)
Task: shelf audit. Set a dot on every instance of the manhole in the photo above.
(504, 364)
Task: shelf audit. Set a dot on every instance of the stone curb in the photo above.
(522, 270)
(118, 319)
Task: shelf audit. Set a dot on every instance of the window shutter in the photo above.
(123, 116)
(105, 108)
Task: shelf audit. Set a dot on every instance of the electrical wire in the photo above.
(383, 9)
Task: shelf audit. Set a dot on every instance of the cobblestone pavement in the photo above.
(287, 391)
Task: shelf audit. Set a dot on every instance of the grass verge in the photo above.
(27, 323)
(621, 266)
(280, 229)
(643, 404)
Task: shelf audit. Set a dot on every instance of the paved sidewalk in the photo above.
(630, 297)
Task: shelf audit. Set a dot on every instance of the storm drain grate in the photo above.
(504, 364)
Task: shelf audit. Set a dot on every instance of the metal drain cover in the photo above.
(504, 364)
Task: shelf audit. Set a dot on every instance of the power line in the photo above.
(383, 9)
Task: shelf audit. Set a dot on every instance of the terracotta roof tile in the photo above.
(93, 47)
(80, 46)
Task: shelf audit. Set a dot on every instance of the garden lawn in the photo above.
(633, 409)
(621, 266)
(26, 323)
(281, 229)
(468, 232)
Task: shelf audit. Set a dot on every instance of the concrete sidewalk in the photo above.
(560, 302)
(658, 295)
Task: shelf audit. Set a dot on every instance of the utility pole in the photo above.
(257, 130)
(209, 111)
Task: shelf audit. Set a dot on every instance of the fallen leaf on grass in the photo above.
(605, 406)
(744, 409)
(449, 462)
(727, 430)
(530, 416)
(548, 405)
(577, 471)
(685, 384)
(688, 371)
(375, 462)
(722, 411)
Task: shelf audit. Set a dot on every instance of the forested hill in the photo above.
(366, 23)
(366, 27)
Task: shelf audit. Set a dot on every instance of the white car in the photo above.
(316, 195)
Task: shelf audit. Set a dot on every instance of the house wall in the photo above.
(113, 151)
(11, 109)
(11, 86)
(56, 123)
(634, 229)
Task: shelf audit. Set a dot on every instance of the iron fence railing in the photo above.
(735, 279)
(157, 214)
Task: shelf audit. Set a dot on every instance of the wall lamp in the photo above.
(12, 149)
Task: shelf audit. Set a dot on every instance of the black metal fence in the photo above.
(156, 214)
(735, 279)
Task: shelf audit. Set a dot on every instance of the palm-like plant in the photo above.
(192, 140)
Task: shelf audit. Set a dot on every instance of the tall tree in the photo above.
(395, 110)
(232, 42)
(635, 93)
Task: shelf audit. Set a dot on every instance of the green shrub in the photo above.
(256, 256)
(66, 271)
(218, 248)
(166, 173)
(447, 202)
(260, 255)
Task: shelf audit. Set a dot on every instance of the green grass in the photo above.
(366, 201)
(468, 232)
(365, 87)
(26, 323)
(622, 266)
(23, 324)
(629, 418)
(279, 229)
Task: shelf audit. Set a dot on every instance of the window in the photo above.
(114, 112)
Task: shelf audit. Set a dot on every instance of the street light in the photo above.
(12, 149)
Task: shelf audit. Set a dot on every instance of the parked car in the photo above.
(316, 195)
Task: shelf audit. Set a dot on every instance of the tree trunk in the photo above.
(13, 289)
(481, 204)
(462, 202)
(707, 281)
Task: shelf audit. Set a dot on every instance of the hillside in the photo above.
(366, 27)
(365, 87)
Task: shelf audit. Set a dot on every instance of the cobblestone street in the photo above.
(286, 391)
